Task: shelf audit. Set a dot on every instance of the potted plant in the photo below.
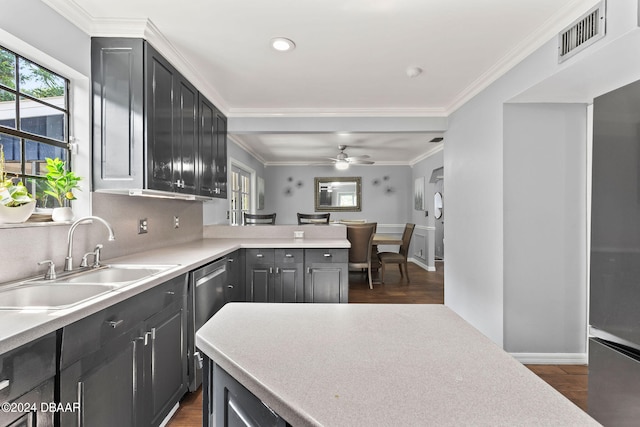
(16, 204)
(60, 184)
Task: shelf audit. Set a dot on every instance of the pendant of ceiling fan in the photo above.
(343, 160)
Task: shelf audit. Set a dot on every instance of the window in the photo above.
(240, 194)
(34, 120)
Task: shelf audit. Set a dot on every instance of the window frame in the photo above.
(25, 136)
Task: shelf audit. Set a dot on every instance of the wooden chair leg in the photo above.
(400, 268)
(370, 281)
(406, 270)
(382, 272)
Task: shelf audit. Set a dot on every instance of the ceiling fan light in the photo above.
(342, 165)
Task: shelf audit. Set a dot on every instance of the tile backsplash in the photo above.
(22, 248)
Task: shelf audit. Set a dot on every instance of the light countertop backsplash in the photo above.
(23, 248)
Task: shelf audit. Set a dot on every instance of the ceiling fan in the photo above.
(343, 160)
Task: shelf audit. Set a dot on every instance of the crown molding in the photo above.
(318, 164)
(548, 31)
(240, 143)
(438, 148)
(336, 112)
(143, 28)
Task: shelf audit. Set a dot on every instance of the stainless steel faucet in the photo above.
(68, 261)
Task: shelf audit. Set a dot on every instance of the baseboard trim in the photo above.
(421, 264)
(551, 358)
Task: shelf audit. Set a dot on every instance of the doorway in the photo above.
(241, 194)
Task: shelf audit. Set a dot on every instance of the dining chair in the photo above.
(322, 218)
(259, 219)
(361, 236)
(399, 257)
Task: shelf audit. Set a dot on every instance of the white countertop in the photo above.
(378, 365)
(18, 327)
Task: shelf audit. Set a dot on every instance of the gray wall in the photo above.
(424, 234)
(387, 192)
(29, 19)
(545, 174)
(474, 164)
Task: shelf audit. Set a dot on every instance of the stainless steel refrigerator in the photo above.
(614, 312)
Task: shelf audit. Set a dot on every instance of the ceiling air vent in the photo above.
(582, 33)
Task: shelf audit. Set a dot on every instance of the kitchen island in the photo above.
(369, 365)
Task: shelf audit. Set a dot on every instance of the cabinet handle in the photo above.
(115, 323)
(327, 255)
(270, 270)
(170, 293)
(80, 400)
(230, 260)
(277, 270)
(288, 255)
(308, 270)
(198, 358)
(4, 384)
(259, 255)
(146, 338)
(230, 286)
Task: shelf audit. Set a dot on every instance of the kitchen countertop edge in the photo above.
(19, 327)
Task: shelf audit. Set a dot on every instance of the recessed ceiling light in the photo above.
(414, 71)
(282, 44)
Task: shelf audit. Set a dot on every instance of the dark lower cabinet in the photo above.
(326, 276)
(164, 363)
(27, 384)
(227, 403)
(275, 275)
(104, 384)
(126, 365)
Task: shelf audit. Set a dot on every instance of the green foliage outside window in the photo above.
(34, 80)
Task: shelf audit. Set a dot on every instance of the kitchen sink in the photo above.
(114, 274)
(74, 287)
(49, 296)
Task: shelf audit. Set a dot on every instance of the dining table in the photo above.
(386, 239)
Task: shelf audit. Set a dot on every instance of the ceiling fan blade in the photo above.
(364, 156)
(360, 162)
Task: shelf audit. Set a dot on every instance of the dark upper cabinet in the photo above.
(118, 108)
(221, 155)
(152, 128)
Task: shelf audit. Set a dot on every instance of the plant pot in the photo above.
(63, 214)
(17, 214)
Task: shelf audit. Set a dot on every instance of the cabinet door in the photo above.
(289, 276)
(208, 148)
(185, 145)
(232, 405)
(165, 362)
(221, 156)
(39, 397)
(118, 105)
(105, 384)
(326, 276)
(160, 119)
(259, 274)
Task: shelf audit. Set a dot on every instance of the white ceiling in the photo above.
(350, 61)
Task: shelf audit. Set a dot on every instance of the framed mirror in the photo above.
(338, 194)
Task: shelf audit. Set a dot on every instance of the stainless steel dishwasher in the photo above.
(206, 296)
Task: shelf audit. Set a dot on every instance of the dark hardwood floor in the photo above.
(425, 288)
